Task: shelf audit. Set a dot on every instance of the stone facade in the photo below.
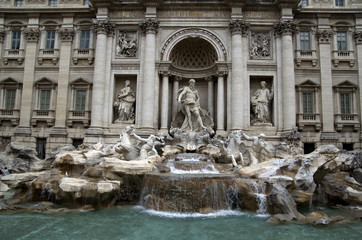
(62, 67)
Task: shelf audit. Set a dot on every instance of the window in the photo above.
(347, 146)
(53, 3)
(19, 3)
(308, 103)
(80, 100)
(77, 142)
(303, 3)
(50, 39)
(346, 103)
(304, 41)
(44, 101)
(339, 3)
(86, 3)
(15, 39)
(84, 39)
(309, 147)
(342, 41)
(10, 98)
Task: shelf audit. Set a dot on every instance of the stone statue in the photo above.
(191, 118)
(126, 46)
(125, 146)
(260, 104)
(260, 150)
(125, 103)
(149, 146)
(260, 45)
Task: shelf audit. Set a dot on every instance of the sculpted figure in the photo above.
(125, 146)
(260, 150)
(191, 118)
(127, 46)
(260, 104)
(149, 146)
(125, 102)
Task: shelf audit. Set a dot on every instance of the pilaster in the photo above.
(324, 39)
(66, 38)
(358, 39)
(32, 38)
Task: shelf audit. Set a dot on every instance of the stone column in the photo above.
(238, 106)
(150, 28)
(2, 39)
(32, 38)
(220, 102)
(176, 87)
(210, 95)
(324, 40)
(66, 38)
(102, 28)
(358, 39)
(165, 100)
(286, 29)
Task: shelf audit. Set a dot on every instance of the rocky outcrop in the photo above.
(19, 159)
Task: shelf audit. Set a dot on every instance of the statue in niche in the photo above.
(260, 104)
(260, 46)
(260, 150)
(125, 103)
(191, 117)
(127, 46)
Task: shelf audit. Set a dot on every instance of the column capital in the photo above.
(149, 26)
(358, 37)
(66, 34)
(222, 73)
(32, 34)
(324, 36)
(2, 35)
(165, 73)
(209, 79)
(285, 27)
(177, 78)
(238, 27)
(103, 27)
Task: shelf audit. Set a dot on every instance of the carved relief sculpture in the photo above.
(191, 118)
(260, 46)
(127, 45)
(125, 103)
(260, 104)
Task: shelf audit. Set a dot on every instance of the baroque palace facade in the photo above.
(74, 71)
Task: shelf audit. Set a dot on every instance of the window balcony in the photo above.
(346, 120)
(83, 54)
(306, 56)
(13, 54)
(48, 54)
(46, 116)
(78, 117)
(312, 119)
(12, 115)
(343, 56)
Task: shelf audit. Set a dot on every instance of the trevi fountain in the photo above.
(188, 184)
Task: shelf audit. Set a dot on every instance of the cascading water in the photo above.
(191, 186)
(259, 191)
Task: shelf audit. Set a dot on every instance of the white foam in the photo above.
(220, 213)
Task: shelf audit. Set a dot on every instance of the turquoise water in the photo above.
(135, 223)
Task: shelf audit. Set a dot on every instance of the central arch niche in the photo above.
(193, 54)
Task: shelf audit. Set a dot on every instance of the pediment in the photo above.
(308, 83)
(346, 84)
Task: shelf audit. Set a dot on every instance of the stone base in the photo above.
(268, 130)
(94, 131)
(59, 131)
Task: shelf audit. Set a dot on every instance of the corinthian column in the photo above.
(32, 38)
(220, 101)
(150, 28)
(164, 104)
(66, 38)
(102, 28)
(238, 104)
(286, 29)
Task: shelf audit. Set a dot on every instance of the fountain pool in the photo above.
(136, 223)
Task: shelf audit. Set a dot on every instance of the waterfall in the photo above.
(259, 191)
